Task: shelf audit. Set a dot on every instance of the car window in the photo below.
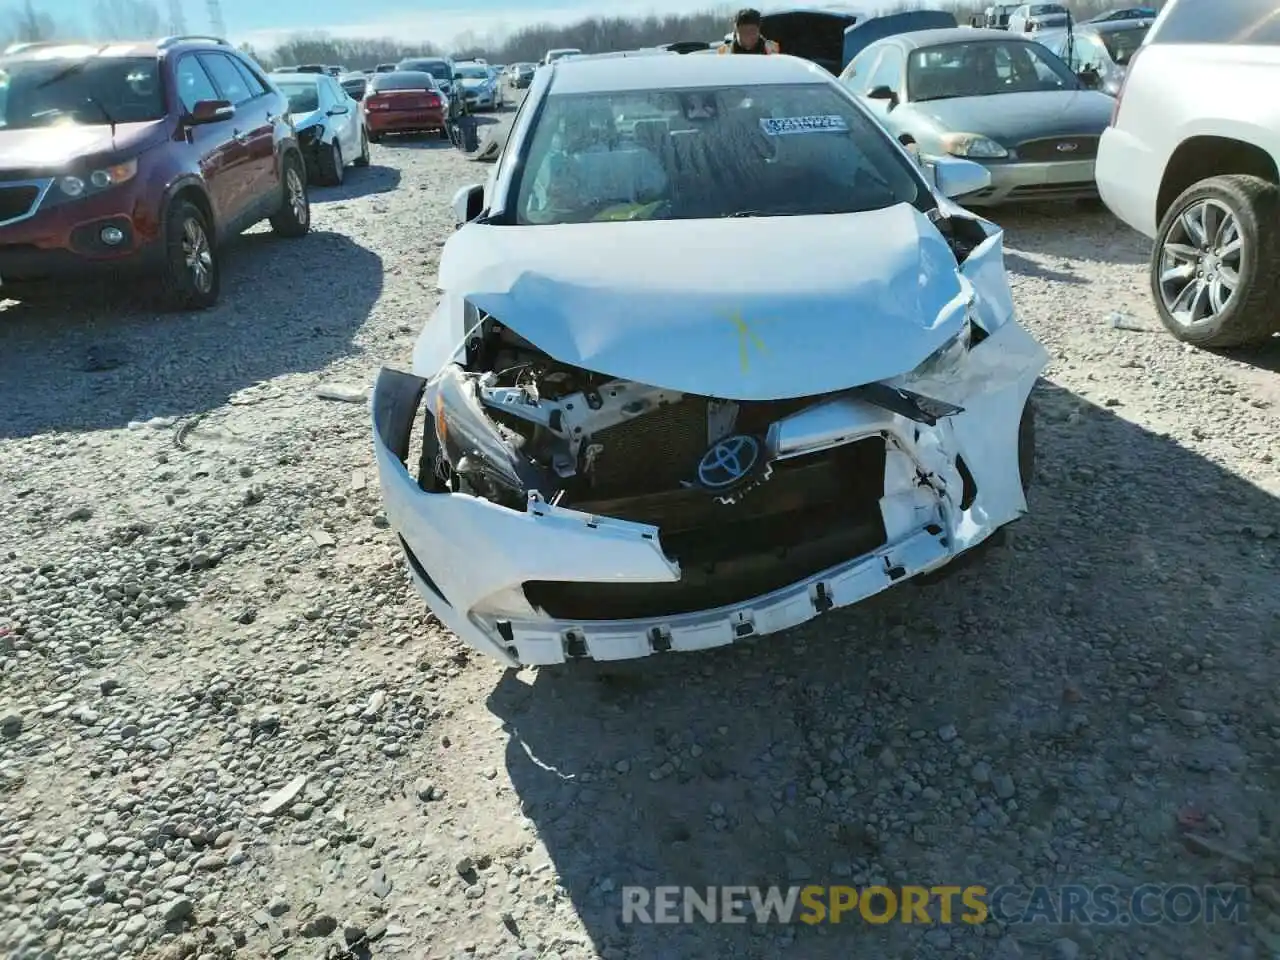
(255, 86)
(1087, 52)
(227, 77)
(1241, 22)
(985, 68)
(402, 80)
(1123, 44)
(768, 150)
(194, 84)
(97, 92)
(1055, 44)
(888, 72)
(303, 97)
(860, 69)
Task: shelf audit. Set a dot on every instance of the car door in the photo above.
(345, 118)
(264, 111)
(251, 129)
(220, 156)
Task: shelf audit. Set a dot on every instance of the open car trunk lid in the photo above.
(867, 31)
(815, 34)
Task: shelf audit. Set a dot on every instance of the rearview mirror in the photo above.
(1089, 77)
(468, 203)
(211, 111)
(339, 110)
(883, 93)
(954, 177)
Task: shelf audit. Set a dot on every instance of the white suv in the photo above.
(1191, 160)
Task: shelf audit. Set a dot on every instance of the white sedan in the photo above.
(712, 357)
(328, 122)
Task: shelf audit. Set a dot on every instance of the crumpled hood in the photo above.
(60, 147)
(308, 119)
(1010, 118)
(472, 83)
(743, 309)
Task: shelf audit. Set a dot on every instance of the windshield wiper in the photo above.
(69, 70)
(774, 213)
(106, 114)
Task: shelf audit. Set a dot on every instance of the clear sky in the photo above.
(263, 22)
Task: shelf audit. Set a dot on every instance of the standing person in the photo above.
(746, 35)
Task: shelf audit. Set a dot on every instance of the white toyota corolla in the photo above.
(713, 356)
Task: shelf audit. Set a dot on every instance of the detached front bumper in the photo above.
(471, 559)
(1016, 182)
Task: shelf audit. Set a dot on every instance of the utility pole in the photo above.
(215, 19)
(177, 19)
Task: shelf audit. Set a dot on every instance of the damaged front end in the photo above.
(560, 513)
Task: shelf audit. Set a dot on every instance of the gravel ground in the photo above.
(228, 728)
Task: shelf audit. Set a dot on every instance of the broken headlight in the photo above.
(477, 448)
(949, 354)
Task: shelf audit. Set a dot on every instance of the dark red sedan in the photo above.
(404, 102)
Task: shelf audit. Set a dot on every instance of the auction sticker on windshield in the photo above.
(782, 126)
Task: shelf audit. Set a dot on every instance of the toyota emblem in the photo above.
(729, 462)
(1068, 147)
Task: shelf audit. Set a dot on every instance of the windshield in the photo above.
(1041, 9)
(472, 73)
(776, 150)
(303, 97)
(437, 68)
(985, 68)
(1123, 44)
(96, 91)
(403, 80)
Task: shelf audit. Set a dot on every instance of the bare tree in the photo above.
(591, 35)
(126, 19)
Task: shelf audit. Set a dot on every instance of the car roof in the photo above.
(1117, 26)
(312, 78)
(120, 48)
(933, 38)
(659, 70)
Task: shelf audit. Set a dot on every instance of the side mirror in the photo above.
(954, 177)
(339, 110)
(468, 202)
(211, 111)
(883, 93)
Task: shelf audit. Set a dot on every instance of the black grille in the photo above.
(1055, 149)
(652, 452)
(16, 201)
(816, 512)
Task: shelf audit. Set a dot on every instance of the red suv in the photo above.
(139, 158)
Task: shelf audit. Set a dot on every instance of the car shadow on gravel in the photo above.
(479, 124)
(286, 307)
(1071, 232)
(1025, 267)
(1265, 357)
(359, 182)
(1106, 656)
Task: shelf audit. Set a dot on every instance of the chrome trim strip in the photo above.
(42, 189)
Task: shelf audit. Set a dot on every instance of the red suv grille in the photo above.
(16, 201)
